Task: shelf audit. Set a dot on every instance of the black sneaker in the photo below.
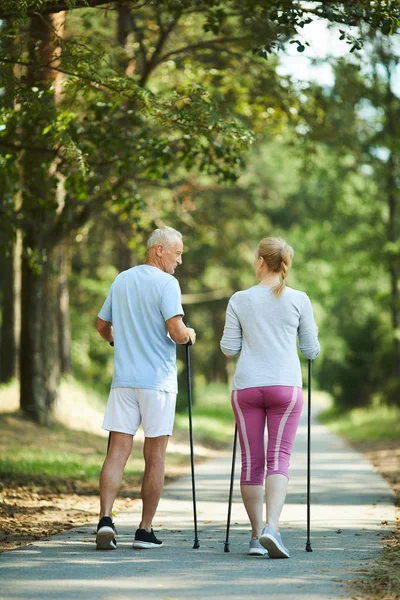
(105, 537)
(144, 539)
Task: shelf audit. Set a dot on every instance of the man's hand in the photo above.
(192, 335)
(105, 330)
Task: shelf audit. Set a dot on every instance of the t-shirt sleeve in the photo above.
(308, 339)
(231, 343)
(171, 302)
(106, 310)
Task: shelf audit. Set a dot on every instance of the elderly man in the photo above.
(142, 317)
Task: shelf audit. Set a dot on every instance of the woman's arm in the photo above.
(308, 331)
(231, 342)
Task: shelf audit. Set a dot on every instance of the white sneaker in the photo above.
(272, 541)
(255, 548)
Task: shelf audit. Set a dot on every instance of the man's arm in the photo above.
(179, 332)
(105, 329)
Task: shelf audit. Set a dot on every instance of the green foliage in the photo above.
(53, 465)
(91, 357)
(139, 126)
(213, 421)
(64, 457)
(377, 422)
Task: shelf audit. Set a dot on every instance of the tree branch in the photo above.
(200, 45)
(89, 80)
(20, 147)
(140, 37)
(69, 219)
(64, 5)
(164, 34)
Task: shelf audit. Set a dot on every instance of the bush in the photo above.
(365, 371)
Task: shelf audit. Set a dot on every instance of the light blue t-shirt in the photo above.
(139, 302)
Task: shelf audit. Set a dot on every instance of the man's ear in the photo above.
(160, 250)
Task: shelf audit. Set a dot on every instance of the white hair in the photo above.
(165, 236)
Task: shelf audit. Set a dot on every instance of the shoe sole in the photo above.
(254, 552)
(105, 539)
(145, 545)
(275, 550)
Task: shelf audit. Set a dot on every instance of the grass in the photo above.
(56, 456)
(383, 581)
(63, 457)
(213, 422)
(49, 475)
(370, 423)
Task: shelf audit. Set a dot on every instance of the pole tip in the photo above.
(226, 547)
(308, 547)
(196, 545)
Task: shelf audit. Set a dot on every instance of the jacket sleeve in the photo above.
(308, 338)
(231, 342)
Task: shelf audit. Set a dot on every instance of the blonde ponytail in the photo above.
(278, 257)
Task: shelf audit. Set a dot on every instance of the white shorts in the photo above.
(128, 407)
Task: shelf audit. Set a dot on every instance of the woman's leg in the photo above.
(250, 419)
(283, 414)
(253, 500)
(275, 494)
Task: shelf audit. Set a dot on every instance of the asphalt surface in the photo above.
(352, 508)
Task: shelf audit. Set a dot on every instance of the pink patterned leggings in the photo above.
(280, 406)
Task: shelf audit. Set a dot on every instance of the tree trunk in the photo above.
(392, 197)
(8, 347)
(393, 264)
(8, 344)
(39, 352)
(64, 252)
(124, 30)
(123, 254)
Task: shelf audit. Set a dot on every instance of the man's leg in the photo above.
(112, 471)
(153, 480)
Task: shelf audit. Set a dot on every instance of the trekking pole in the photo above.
(189, 386)
(308, 543)
(228, 522)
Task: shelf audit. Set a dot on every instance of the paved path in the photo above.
(350, 504)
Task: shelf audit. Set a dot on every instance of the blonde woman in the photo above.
(262, 325)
